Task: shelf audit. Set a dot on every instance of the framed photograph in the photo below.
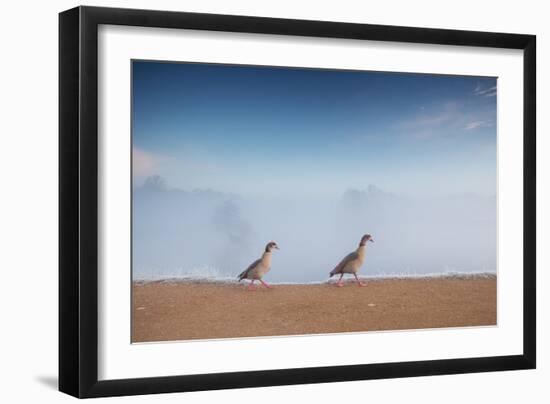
(250, 201)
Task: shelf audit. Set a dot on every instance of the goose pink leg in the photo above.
(265, 284)
(339, 283)
(251, 285)
(359, 282)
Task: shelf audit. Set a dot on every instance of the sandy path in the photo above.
(181, 311)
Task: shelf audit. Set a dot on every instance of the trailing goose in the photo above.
(260, 267)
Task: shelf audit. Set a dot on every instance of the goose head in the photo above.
(272, 245)
(365, 238)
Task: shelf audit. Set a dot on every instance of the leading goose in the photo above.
(260, 267)
(352, 262)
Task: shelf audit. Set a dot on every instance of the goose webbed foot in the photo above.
(359, 283)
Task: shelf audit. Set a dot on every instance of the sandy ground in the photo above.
(182, 311)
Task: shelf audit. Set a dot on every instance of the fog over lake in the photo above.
(204, 233)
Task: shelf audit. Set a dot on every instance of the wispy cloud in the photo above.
(478, 124)
(433, 118)
(485, 92)
(430, 122)
(439, 120)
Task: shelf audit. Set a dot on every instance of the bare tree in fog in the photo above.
(229, 221)
(154, 183)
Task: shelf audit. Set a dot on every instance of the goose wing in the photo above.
(244, 274)
(350, 257)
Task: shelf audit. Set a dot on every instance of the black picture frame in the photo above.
(78, 201)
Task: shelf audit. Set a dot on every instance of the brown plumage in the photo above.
(353, 261)
(260, 267)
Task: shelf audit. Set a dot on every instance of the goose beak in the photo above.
(277, 247)
(371, 240)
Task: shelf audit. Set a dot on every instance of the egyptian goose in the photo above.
(260, 267)
(352, 262)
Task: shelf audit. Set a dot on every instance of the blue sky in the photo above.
(276, 131)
